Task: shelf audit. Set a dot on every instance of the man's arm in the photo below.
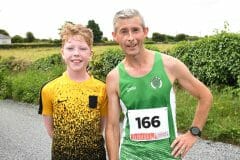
(48, 122)
(112, 131)
(182, 75)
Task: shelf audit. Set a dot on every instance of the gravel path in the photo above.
(22, 133)
(23, 137)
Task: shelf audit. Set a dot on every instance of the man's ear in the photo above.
(145, 30)
(114, 36)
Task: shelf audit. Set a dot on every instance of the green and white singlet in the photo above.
(148, 103)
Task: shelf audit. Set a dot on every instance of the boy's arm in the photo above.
(48, 122)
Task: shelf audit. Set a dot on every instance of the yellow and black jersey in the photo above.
(77, 108)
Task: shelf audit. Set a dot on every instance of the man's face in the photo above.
(130, 35)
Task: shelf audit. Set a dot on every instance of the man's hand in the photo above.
(182, 144)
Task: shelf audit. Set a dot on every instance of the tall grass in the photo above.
(29, 54)
(223, 119)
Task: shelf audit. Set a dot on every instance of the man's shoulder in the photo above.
(113, 74)
(168, 59)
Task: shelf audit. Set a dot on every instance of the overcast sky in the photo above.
(192, 17)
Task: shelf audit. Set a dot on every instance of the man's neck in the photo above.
(139, 65)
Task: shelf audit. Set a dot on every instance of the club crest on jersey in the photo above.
(156, 82)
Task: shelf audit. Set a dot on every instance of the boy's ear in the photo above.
(61, 52)
(91, 55)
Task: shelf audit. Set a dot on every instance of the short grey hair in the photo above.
(126, 14)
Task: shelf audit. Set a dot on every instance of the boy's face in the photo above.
(130, 35)
(76, 53)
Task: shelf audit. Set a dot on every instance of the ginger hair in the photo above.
(69, 30)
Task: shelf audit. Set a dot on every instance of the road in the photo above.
(23, 137)
(22, 134)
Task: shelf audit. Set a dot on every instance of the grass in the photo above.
(165, 48)
(223, 119)
(32, 54)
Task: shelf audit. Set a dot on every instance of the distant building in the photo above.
(5, 39)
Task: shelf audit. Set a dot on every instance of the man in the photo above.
(142, 86)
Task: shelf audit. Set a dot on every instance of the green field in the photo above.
(32, 54)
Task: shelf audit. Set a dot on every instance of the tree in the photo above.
(30, 37)
(17, 39)
(97, 33)
(157, 37)
(170, 38)
(181, 37)
(2, 31)
(105, 39)
(192, 38)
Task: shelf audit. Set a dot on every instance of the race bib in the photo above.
(148, 124)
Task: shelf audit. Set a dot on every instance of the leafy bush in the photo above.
(214, 60)
(11, 64)
(27, 78)
(28, 84)
(105, 62)
(47, 63)
(5, 83)
(152, 47)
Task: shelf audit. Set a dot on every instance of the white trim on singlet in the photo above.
(122, 128)
(173, 108)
